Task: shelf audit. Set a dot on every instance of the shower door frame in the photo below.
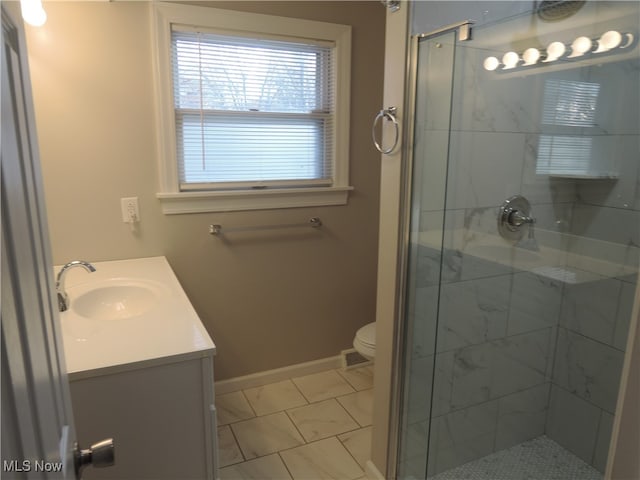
(464, 33)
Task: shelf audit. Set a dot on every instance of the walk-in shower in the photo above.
(514, 338)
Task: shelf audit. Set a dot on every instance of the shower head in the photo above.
(555, 10)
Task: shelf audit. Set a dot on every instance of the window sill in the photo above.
(200, 202)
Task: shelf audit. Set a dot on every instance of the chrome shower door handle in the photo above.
(389, 114)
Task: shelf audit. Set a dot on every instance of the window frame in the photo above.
(175, 201)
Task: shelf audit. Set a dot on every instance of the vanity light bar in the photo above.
(581, 46)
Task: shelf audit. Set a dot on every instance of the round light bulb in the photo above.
(491, 63)
(531, 56)
(33, 13)
(510, 60)
(554, 51)
(580, 46)
(609, 40)
(629, 40)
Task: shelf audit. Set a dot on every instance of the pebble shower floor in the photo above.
(537, 459)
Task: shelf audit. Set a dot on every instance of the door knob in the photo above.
(99, 455)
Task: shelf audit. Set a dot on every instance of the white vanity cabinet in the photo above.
(140, 373)
(162, 419)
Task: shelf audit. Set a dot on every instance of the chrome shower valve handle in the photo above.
(516, 219)
(514, 213)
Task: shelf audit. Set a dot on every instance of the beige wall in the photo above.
(267, 299)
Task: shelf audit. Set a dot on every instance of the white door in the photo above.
(37, 422)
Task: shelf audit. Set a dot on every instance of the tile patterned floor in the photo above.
(310, 427)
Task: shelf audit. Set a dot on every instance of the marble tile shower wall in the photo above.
(494, 358)
(595, 315)
(593, 331)
(518, 354)
(608, 211)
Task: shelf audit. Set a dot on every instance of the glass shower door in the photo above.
(514, 346)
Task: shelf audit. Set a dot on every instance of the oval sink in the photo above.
(116, 299)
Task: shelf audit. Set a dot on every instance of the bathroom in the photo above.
(274, 299)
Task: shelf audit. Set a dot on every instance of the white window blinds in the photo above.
(569, 106)
(564, 155)
(252, 113)
(570, 103)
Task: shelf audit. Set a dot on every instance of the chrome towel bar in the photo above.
(216, 229)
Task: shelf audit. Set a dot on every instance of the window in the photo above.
(566, 147)
(254, 110)
(251, 111)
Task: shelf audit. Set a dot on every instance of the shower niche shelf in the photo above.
(586, 176)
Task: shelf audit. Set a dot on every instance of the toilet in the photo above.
(365, 341)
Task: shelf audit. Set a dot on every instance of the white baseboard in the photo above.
(277, 375)
(372, 471)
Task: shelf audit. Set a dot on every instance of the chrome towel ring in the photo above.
(389, 114)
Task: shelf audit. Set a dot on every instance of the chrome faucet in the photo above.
(63, 298)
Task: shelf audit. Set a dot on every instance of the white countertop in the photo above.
(169, 331)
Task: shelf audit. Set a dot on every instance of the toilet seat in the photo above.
(365, 340)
